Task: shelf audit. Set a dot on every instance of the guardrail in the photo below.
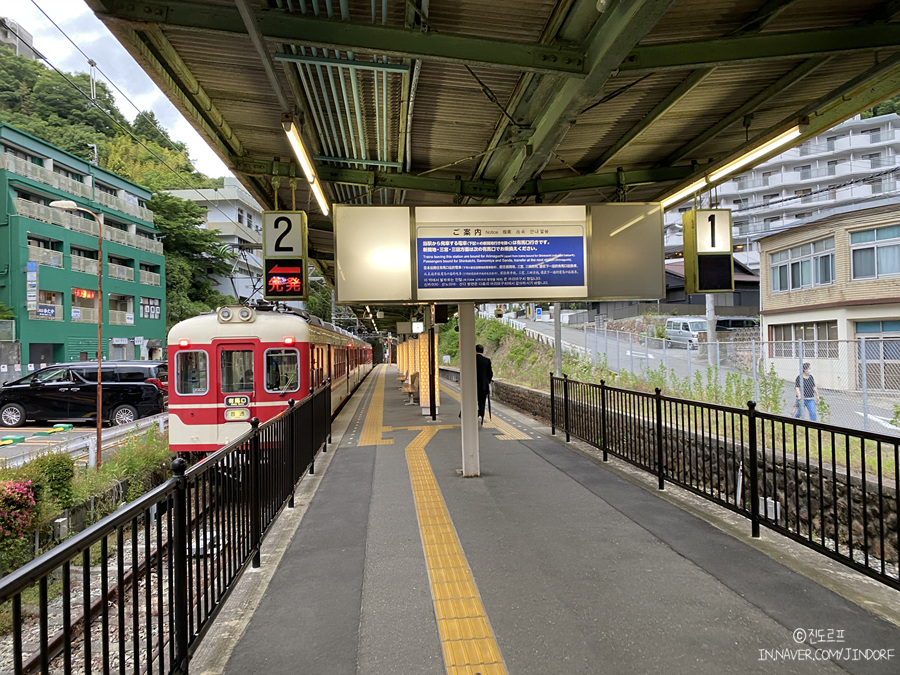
(830, 488)
(138, 590)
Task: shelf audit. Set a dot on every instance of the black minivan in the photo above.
(68, 392)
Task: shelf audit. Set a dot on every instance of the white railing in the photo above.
(755, 183)
(120, 272)
(147, 244)
(119, 236)
(45, 214)
(83, 264)
(45, 256)
(878, 162)
(885, 186)
(149, 278)
(814, 149)
(881, 136)
(84, 315)
(117, 318)
(25, 168)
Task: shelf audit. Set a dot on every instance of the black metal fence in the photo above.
(830, 488)
(137, 591)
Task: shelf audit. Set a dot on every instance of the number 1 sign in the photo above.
(708, 258)
(284, 255)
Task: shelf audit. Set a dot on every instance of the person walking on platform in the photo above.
(807, 394)
(484, 374)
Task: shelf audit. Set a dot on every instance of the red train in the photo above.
(229, 366)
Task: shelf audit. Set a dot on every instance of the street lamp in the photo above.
(68, 205)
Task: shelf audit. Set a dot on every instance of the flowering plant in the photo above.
(17, 508)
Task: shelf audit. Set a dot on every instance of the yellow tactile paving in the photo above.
(466, 637)
(508, 431)
(374, 427)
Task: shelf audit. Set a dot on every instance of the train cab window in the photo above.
(237, 371)
(282, 370)
(191, 373)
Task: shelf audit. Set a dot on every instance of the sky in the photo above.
(77, 21)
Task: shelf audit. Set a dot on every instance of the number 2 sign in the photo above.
(285, 255)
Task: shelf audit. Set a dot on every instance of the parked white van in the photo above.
(685, 329)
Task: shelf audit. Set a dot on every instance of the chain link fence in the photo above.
(856, 382)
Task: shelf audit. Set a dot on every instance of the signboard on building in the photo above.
(31, 286)
(285, 255)
(46, 311)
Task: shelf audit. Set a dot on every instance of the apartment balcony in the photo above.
(55, 217)
(84, 314)
(117, 318)
(817, 173)
(45, 256)
(149, 278)
(820, 197)
(119, 236)
(123, 205)
(749, 184)
(881, 136)
(816, 149)
(884, 186)
(147, 244)
(879, 162)
(83, 264)
(47, 313)
(120, 272)
(30, 170)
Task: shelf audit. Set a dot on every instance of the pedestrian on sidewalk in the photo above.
(807, 394)
(484, 374)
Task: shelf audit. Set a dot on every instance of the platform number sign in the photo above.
(284, 255)
(708, 256)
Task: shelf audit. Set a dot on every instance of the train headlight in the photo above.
(225, 314)
(245, 314)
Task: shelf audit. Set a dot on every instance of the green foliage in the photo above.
(823, 409)
(448, 340)
(892, 105)
(319, 302)
(895, 420)
(6, 312)
(771, 390)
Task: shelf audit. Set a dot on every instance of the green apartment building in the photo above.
(49, 261)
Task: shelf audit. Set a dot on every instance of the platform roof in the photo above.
(510, 101)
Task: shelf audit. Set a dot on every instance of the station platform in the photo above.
(550, 562)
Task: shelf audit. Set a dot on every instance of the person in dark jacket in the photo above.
(807, 393)
(483, 374)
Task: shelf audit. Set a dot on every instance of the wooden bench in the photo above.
(411, 388)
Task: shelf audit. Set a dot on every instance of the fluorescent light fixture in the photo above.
(781, 139)
(681, 194)
(293, 136)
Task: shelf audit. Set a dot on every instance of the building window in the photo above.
(241, 216)
(816, 339)
(769, 198)
(803, 266)
(150, 308)
(875, 253)
(250, 220)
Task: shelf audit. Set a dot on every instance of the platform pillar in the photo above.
(471, 464)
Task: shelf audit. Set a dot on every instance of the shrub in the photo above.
(17, 508)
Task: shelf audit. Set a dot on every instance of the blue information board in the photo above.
(487, 262)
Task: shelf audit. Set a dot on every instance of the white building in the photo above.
(237, 218)
(853, 163)
(14, 36)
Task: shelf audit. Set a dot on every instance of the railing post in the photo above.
(603, 419)
(179, 567)
(865, 381)
(291, 451)
(255, 517)
(754, 470)
(327, 418)
(660, 466)
(552, 407)
(566, 403)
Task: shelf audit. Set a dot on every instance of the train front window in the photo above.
(237, 371)
(191, 373)
(282, 370)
